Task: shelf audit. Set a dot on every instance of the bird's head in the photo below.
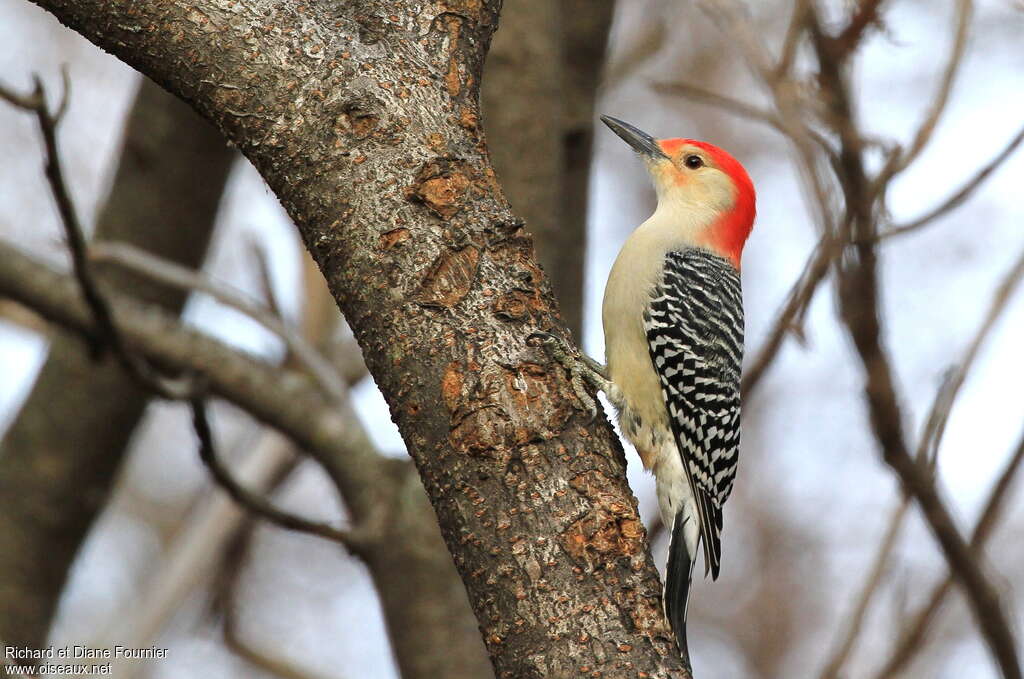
(699, 185)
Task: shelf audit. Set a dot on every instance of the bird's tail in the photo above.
(677, 584)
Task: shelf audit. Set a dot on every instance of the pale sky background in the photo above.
(807, 447)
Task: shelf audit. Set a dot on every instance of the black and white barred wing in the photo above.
(694, 327)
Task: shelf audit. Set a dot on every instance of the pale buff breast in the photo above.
(634, 276)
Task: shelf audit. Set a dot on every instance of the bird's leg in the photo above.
(582, 369)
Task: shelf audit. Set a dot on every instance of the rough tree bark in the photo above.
(61, 453)
(363, 119)
(538, 104)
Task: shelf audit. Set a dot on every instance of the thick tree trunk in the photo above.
(60, 455)
(363, 119)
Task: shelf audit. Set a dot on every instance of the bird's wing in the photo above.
(694, 326)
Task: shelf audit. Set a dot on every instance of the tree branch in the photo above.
(961, 195)
(911, 637)
(935, 424)
(864, 16)
(927, 452)
(733, 19)
(260, 657)
(145, 264)
(843, 647)
(901, 160)
(858, 296)
(857, 276)
(739, 108)
(83, 433)
(108, 338)
(800, 296)
(255, 503)
(794, 31)
(35, 103)
(167, 272)
(280, 398)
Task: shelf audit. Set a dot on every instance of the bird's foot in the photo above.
(582, 369)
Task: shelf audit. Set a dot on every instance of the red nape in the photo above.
(730, 232)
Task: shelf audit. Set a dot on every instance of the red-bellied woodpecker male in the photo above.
(673, 327)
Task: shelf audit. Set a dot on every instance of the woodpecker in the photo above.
(673, 326)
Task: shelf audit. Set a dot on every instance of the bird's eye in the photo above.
(694, 161)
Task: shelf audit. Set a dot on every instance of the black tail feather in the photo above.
(677, 585)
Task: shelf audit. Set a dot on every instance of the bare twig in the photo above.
(266, 278)
(901, 160)
(281, 398)
(635, 53)
(874, 579)
(928, 448)
(912, 635)
(255, 504)
(261, 657)
(865, 15)
(794, 31)
(157, 268)
(961, 195)
(235, 641)
(858, 280)
(799, 297)
(813, 151)
(736, 107)
(939, 415)
(30, 102)
(916, 478)
(22, 317)
(36, 103)
(108, 337)
(927, 451)
(740, 108)
(858, 296)
(219, 521)
(196, 547)
(733, 19)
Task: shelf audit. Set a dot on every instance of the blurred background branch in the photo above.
(62, 451)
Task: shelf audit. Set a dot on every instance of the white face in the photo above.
(689, 179)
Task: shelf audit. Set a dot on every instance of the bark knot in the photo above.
(498, 408)
(513, 306)
(441, 185)
(609, 530)
(448, 279)
(357, 120)
(394, 237)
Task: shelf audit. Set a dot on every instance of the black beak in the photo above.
(642, 143)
